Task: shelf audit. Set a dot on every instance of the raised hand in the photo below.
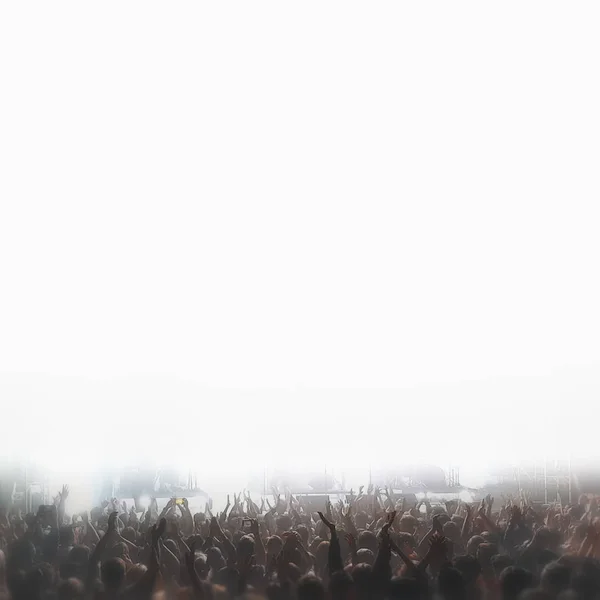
(190, 557)
(329, 509)
(385, 530)
(158, 531)
(438, 547)
(516, 515)
(64, 493)
(327, 522)
(214, 528)
(351, 542)
(112, 522)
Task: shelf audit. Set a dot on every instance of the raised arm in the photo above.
(353, 548)
(335, 562)
(217, 533)
(62, 498)
(436, 527)
(349, 522)
(96, 555)
(466, 527)
(143, 588)
(259, 548)
(382, 571)
(223, 515)
(190, 563)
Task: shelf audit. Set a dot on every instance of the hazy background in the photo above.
(256, 219)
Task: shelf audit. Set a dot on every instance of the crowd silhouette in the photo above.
(372, 546)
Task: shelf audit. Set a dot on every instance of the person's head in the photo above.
(451, 584)
(214, 559)
(25, 585)
(367, 539)
(129, 534)
(120, 550)
(274, 591)
(96, 514)
(113, 573)
(365, 556)
(485, 552)
(579, 532)
(361, 519)
(201, 564)
(79, 555)
(555, 578)
(70, 589)
(283, 523)
(340, 586)
(408, 524)
(514, 581)
(20, 555)
(473, 545)
(586, 581)
(458, 520)
(545, 557)
(404, 588)
(451, 531)
(321, 555)
(172, 546)
(554, 541)
(310, 588)
(469, 568)
(135, 573)
(66, 536)
(245, 547)
(256, 578)
(304, 534)
(293, 572)
(406, 542)
(362, 575)
(501, 562)
(274, 545)
(228, 577)
(68, 570)
(489, 537)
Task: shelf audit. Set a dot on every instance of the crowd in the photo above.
(373, 546)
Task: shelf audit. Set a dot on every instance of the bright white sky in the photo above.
(332, 195)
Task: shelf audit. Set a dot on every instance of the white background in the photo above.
(264, 198)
